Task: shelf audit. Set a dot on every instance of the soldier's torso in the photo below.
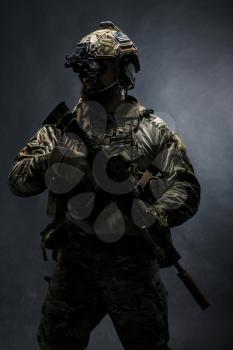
(128, 130)
(131, 130)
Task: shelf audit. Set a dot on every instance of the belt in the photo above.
(126, 244)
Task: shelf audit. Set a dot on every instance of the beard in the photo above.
(93, 92)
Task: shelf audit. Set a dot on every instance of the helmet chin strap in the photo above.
(115, 83)
(106, 89)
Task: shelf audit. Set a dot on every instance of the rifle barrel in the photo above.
(191, 286)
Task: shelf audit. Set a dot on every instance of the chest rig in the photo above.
(114, 132)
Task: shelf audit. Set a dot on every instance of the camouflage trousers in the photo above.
(92, 279)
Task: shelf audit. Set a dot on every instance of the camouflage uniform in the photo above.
(93, 277)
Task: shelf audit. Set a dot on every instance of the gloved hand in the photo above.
(143, 214)
(66, 121)
(66, 169)
(69, 124)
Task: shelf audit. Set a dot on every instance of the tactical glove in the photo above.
(68, 123)
(67, 169)
(143, 214)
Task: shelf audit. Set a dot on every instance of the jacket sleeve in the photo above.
(181, 197)
(26, 176)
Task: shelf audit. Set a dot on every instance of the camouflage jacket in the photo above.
(141, 135)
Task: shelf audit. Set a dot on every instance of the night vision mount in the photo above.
(82, 63)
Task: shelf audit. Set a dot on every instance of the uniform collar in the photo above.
(91, 110)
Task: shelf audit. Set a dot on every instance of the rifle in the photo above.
(182, 273)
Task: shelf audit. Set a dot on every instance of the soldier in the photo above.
(126, 175)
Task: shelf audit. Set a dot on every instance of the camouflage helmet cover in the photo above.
(110, 42)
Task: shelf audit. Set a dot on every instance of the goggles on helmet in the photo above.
(83, 63)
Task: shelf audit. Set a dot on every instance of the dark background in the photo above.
(186, 75)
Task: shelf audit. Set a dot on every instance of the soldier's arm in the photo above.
(26, 176)
(181, 199)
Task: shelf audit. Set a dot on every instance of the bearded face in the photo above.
(99, 84)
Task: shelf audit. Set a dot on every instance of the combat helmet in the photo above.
(107, 42)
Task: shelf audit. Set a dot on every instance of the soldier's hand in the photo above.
(143, 214)
(42, 163)
(67, 168)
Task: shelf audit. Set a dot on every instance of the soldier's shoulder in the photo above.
(157, 126)
(150, 117)
(48, 131)
(46, 135)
